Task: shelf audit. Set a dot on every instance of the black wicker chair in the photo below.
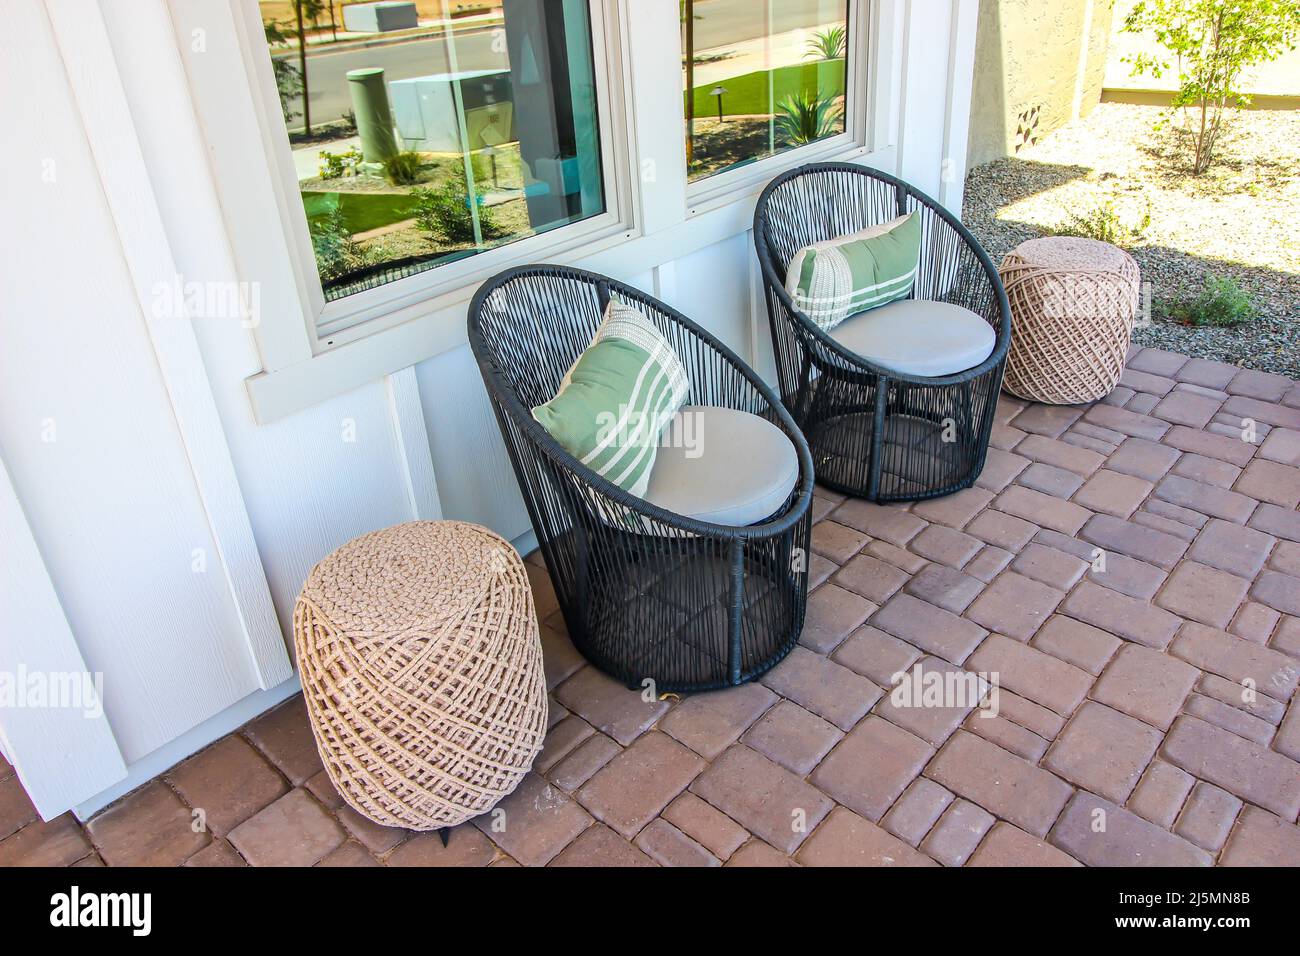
(874, 432)
(645, 593)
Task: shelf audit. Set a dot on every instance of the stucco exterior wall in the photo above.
(1034, 56)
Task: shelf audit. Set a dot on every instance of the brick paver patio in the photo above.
(1129, 572)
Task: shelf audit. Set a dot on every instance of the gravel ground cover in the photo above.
(1241, 219)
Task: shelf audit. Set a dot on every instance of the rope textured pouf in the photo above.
(422, 671)
(1072, 306)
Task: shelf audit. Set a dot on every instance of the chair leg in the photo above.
(877, 437)
(804, 395)
(736, 610)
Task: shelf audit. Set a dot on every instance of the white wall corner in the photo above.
(961, 78)
(403, 390)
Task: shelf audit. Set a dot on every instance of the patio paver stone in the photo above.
(1126, 573)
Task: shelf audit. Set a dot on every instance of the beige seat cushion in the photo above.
(723, 466)
(918, 337)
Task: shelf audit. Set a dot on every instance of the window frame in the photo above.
(658, 216)
(331, 324)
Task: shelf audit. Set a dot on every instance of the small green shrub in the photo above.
(1221, 303)
(807, 117)
(403, 169)
(444, 212)
(337, 253)
(1103, 223)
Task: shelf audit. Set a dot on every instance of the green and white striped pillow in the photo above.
(617, 397)
(831, 280)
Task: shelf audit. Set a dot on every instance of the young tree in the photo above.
(686, 11)
(688, 16)
(1213, 42)
(309, 10)
(288, 82)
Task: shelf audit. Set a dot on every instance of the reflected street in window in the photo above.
(424, 132)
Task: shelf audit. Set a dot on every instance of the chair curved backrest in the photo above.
(528, 325)
(823, 201)
(533, 324)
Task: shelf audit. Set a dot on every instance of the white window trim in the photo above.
(334, 323)
(362, 313)
(654, 216)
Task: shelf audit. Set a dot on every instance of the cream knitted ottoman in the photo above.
(422, 671)
(1072, 306)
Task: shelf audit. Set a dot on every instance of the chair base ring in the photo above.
(668, 615)
(920, 458)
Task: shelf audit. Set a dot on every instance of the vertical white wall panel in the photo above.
(311, 481)
(316, 480)
(105, 116)
(87, 430)
(63, 754)
(712, 287)
(925, 72)
(641, 280)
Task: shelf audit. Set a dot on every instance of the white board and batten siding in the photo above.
(156, 528)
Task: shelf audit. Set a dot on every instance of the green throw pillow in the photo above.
(616, 399)
(831, 280)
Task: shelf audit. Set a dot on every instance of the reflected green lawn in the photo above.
(754, 94)
(361, 211)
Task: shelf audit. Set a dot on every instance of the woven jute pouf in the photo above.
(422, 671)
(1072, 306)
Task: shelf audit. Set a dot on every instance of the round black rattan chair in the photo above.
(645, 593)
(874, 432)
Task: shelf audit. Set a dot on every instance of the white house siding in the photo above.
(92, 446)
(116, 518)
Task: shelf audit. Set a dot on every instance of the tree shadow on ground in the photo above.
(1000, 184)
(1015, 179)
(1174, 274)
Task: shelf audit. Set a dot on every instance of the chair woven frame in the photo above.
(645, 594)
(876, 433)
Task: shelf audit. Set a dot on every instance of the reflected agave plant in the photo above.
(828, 44)
(807, 117)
